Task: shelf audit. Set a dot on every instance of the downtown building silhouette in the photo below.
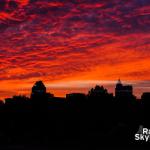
(123, 90)
(96, 118)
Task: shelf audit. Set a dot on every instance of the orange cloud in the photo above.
(63, 41)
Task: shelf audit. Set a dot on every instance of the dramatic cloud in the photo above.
(77, 40)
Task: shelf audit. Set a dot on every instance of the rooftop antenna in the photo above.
(119, 81)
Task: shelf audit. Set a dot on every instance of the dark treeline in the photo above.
(97, 119)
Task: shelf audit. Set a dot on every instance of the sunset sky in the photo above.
(73, 45)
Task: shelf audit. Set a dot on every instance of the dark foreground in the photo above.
(65, 125)
(94, 121)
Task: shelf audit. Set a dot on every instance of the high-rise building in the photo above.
(123, 90)
(39, 97)
(38, 89)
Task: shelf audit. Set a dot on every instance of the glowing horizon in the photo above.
(60, 89)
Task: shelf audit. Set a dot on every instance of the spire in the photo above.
(119, 81)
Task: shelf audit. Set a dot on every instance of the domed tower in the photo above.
(38, 89)
(39, 97)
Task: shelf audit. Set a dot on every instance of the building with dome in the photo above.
(38, 89)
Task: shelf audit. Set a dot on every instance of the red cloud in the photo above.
(63, 41)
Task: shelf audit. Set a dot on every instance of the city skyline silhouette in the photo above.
(96, 119)
(74, 74)
(62, 88)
